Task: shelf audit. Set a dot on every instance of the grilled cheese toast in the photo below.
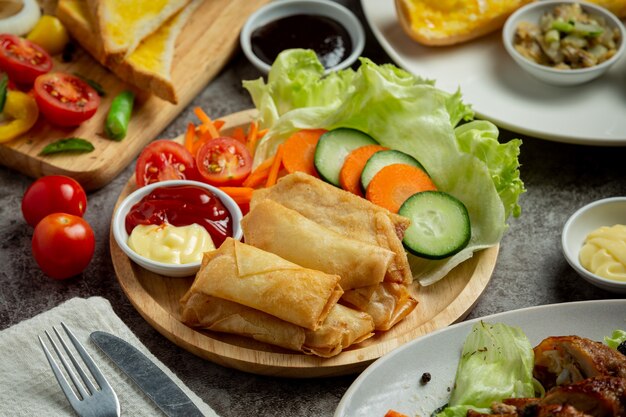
(149, 66)
(448, 22)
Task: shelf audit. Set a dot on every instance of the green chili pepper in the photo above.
(4, 81)
(67, 145)
(118, 118)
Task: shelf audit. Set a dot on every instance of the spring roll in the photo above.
(346, 214)
(261, 280)
(215, 314)
(390, 303)
(343, 326)
(285, 232)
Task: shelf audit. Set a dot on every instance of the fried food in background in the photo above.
(449, 22)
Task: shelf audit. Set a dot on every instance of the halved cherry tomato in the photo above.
(63, 245)
(23, 60)
(64, 99)
(224, 161)
(53, 194)
(164, 160)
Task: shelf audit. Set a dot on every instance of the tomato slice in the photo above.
(164, 160)
(23, 60)
(224, 161)
(64, 99)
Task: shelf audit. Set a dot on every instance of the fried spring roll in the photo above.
(343, 326)
(344, 213)
(389, 303)
(285, 232)
(261, 280)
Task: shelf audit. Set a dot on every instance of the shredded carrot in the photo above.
(260, 173)
(206, 122)
(262, 133)
(252, 137)
(239, 134)
(273, 174)
(190, 136)
(241, 195)
(299, 151)
(350, 174)
(394, 413)
(393, 184)
(219, 124)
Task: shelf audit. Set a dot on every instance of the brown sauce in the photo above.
(329, 39)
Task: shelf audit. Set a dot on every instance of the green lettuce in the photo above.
(496, 363)
(403, 112)
(618, 337)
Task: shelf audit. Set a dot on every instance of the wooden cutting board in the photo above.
(204, 46)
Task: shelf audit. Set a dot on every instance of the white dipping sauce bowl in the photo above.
(283, 8)
(606, 212)
(532, 12)
(161, 268)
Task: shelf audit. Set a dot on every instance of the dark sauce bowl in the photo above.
(276, 26)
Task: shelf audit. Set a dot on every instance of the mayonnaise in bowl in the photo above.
(604, 252)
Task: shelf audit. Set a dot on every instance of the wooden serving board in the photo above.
(203, 47)
(157, 297)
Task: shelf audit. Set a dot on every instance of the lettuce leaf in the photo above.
(404, 112)
(496, 363)
(618, 337)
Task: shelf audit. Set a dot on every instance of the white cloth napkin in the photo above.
(27, 385)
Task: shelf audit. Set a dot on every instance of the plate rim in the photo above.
(343, 403)
(269, 363)
(498, 121)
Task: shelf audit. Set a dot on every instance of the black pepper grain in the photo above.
(425, 379)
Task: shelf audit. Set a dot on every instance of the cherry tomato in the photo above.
(53, 194)
(164, 160)
(224, 161)
(63, 245)
(23, 60)
(64, 99)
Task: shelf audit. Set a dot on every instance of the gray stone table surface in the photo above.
(530, 269)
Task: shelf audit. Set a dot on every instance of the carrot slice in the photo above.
(190, 136)
(260, 173)
(206, 121)
(299, 151)
(239, 134)
(393, 184)
(241, 195)
(394, 413)
(273, 174)
(252, 137)
(350, 174)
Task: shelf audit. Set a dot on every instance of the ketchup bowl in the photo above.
(122, 222)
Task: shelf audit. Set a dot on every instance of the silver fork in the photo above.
(92, 401)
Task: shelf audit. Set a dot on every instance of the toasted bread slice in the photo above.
(448, 22)
(123, 24)
(149, 66)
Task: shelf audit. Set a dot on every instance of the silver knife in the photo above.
(149, 377)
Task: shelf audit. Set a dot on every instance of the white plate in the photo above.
(502, 92)
(393, 381)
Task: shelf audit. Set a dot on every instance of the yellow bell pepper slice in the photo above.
(50, 34)
(21, 112)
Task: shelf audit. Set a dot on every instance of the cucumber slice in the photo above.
(383, 158)
(440, 225)
(332, 149)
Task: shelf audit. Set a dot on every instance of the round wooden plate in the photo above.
(157, 299)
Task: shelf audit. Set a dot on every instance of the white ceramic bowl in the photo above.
(171, 270)
(606, 212)
(283, 8)
(532, 12)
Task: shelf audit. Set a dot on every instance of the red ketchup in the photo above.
(181, 206)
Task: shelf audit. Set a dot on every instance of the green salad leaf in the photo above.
(618, 337)
(403, 112)
(496, 363)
